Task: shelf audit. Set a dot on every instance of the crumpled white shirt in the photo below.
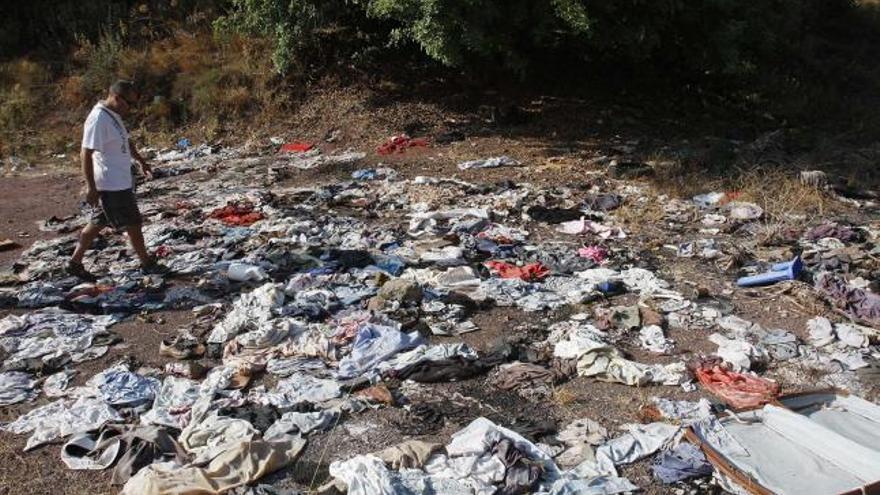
(61, 418)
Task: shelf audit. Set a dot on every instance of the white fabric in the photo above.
(597, 485)
(15, 387)
(426, 352)
(173, 404)
(857, 459)
(740, 354)
(88, 442)
(652, 339)
(214, 435)
(639, 441)
(681, 410)
(299, 388)
(62, 418)
(579, 437)
(105, 133)
(495, 161)
(776, 462)
(606, 363)
(851, 335)
(56, 385)
(470, 458)
(364, 475)
(303, 423)
(821, 331)
(250, 309)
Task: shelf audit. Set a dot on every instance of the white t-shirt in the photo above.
(105, 133)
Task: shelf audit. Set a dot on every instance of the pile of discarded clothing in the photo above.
(314, 305)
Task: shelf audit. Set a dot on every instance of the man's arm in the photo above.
(89, 173)
(145, 167)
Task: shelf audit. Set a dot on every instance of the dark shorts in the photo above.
(118, 209)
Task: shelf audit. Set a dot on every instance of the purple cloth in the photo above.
(842, 232)
(858, 303)
(683, 462)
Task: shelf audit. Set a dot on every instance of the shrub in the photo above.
(99, 62)
(294, 25)
(24, 94)
(692, 39)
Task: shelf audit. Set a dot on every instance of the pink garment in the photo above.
(595, 253)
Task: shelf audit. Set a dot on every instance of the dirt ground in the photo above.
(615, 404)
(554, 154)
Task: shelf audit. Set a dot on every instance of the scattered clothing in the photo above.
(739, 390)
(130, 448)
(530, 380)
(53, 337)
(399, 144)
(683, 462)
(62, 418)
(239, 465)
(836, 231)
(302, 423)
(528, 273)
(858, 303)
(372, 345)
(295, 147)
(240, 213)
(494, 162)
(16, 386)
(595, 253)
(409, 454)
(637, 443)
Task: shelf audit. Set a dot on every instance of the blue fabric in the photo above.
(365, 174)
(394, 265)
(124, 388)
(683, 462)
(374, 344)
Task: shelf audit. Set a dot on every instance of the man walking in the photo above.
(106, 164)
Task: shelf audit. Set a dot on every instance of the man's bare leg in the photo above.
(86, 237)
(136, 237)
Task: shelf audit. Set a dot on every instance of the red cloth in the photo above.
(738, 390)
(240, 213)
(296, 147)
(162, 251)
(397, 144)
(532, 271)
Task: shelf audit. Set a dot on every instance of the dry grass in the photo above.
(777, 190)
(649, 212)
(191, 84)
(562, 396)
(23, 88)
(782, 195)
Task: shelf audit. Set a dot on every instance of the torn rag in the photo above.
(739, 390)
(528, 273)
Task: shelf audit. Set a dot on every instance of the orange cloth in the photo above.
(739, 390)
(241, 213)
